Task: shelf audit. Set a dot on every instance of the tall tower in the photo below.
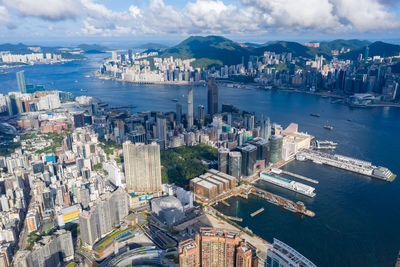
(212, 96)
(265, 132)
(366, 54)
(178, 113)
(21, 81)
(190, 108)
(200, 114)
(142, 168)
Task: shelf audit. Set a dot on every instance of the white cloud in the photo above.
(53, 10)
(5, 18)
(366, 15)
(212, 16)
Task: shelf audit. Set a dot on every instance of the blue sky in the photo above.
(170, 21)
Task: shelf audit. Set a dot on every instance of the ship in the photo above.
(328, 127)
(288, 184)
(398, 260)
(315, 115)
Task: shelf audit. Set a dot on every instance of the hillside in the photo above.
(327, 47)
(375, 49)
(209, 51)
(297, 50)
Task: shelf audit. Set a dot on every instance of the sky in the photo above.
(170, 21)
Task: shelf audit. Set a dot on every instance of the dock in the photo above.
(287, 204)
(300, 177)
(234, 218)
(257, 212)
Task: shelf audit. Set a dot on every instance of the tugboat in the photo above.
(315, 115)
(328, 127)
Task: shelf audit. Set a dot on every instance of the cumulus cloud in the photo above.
(5, 18)
(52, 10)
(246, 16)
(214, 16)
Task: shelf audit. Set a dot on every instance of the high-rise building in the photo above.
(161, 133)
(200, 114)
(107, 211)
(188, 254)
(178, 112)
(79, 120)
(142, 167)
(249, 121)
(235, 164)
(275, 150)
(190, 108)
(215, 248)
(249, 159)
(212, 96)
(223, 154)
(21, 81)
(265, 131)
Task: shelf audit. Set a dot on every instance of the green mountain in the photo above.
(375, 49)
(297, 50)
(209, 51)
(338, 44)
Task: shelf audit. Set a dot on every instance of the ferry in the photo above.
(288, 184)
(315, 115)
(328, 127)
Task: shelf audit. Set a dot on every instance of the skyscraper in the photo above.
(223, 160)
(190, 108)
(21, 81)
(265, 131)
(212, 96)
(200, 115)
(161, 133)
(142, 167)
(235, 165)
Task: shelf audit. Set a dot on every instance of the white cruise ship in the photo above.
(288, 184)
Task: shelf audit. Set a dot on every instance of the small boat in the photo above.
(328, 127)
(87, 76)
(76, 81)
(83, 90)
(174, 100)
(315, 115)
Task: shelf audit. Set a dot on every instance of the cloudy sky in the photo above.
(137, 21)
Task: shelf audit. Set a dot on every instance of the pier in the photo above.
(257, 212)
(297, 207)
(300, 177)
(234, 218)
(349, 164)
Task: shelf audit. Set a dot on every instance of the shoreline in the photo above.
(254, 86)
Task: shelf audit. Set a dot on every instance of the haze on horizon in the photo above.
(170, 21)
